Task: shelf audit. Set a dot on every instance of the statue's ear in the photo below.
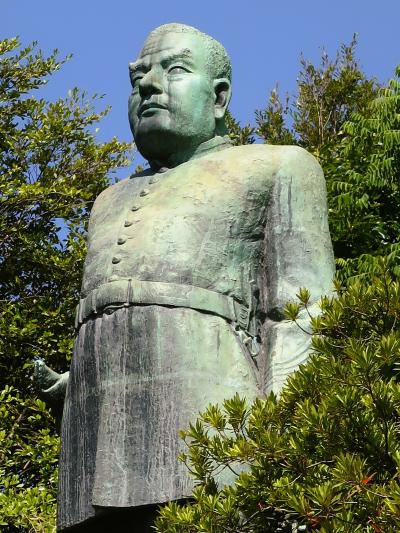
(223, 92)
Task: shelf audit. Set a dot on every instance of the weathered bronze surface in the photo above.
(188, 268)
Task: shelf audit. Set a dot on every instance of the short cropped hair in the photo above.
(218, 63)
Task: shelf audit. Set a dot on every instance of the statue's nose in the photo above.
(151, 83)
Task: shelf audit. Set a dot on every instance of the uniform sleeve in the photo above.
(298, 253)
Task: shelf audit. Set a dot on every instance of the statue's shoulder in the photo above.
(268, 165)
(274, 158)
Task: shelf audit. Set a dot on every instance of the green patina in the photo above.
(189, 266)
(184, 76)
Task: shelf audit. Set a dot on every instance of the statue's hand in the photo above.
(50, 385)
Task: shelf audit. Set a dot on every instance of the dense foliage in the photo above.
(51, 170)
(364, 184)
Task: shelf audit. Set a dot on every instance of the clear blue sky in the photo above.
(263, 37)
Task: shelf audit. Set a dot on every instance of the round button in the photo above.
(128, 223)
(116, 259)
(154, 179)
(145, 192)
(121, 240)
(135, 207)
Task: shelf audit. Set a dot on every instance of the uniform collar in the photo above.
(212, 145)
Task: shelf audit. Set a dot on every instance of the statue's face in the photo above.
(171, 107)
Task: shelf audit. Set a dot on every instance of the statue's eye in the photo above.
(177, 70)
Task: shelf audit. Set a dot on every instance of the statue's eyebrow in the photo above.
(185, 53)
(139, 66)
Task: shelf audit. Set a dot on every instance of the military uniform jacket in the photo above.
(184, 283)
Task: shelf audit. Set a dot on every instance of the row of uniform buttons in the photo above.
(128, 222)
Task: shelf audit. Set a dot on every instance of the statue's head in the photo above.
(181, 87)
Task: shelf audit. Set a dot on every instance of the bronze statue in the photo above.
(188, 268)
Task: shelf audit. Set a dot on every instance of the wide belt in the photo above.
(127, 292)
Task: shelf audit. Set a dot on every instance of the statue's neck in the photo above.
(212, 145)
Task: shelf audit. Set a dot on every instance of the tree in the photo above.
(326, 97)
(363, 185)
(51, 170)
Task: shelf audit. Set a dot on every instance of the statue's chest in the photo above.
(176, 225)
(185, 210)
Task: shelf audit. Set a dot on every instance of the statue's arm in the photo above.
(298, 254)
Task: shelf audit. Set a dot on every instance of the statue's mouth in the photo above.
(150, 107)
